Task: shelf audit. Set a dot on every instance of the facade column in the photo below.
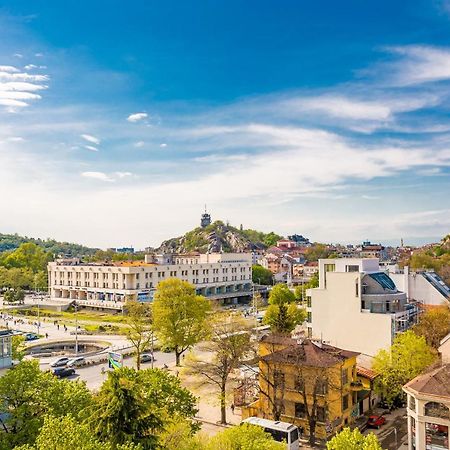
(420, 435)
(410, 438)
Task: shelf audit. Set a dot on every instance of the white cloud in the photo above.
(10, 69)
(97, 176)
(7, 76)
(136, 117)
(38, 55)
(15, 139)
(420, 64)
(139, 144)
(163, 145)
(123, 174)
(91, 148)
(28, 67)
(90, 138)
(18, 55)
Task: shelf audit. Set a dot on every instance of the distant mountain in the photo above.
(218, 237)
(13, 241)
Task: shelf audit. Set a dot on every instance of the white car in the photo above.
(76, 362)
(60, 362)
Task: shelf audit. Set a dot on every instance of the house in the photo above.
(307, 383)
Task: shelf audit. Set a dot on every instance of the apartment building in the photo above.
(357, 306)
(225, 277)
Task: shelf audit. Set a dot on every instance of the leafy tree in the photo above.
(283, 315)
(179, 315)
(353, 440)
(317, 251)
(135, 406)
(14, 295)
(434, 325)
(121, 413)
(28, 394)
(300, 290)
(16, 278)
(28, 255)
(229, 345)
(66, 433)
(244, 437)
(18, 347)
(408, 356)
(261, 275)
(139, 331)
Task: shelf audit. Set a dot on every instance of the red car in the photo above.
(375, 421)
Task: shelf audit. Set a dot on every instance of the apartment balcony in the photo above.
(383, 303)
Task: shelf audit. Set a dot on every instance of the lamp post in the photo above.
(76, 328)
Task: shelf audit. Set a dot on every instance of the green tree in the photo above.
(229, 345)
(28, 394)
(353, 440)
(18, 347)
(283, 314)
(121, 413)
(434, 325)
(66, 433)
(244, 437)
(408, 356)
(139, 330)
(317, 251)
(14, 296)
(27, 256)
(261, 275)
(300, 290)
(179, 316)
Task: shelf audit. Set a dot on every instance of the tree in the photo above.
(283, 315)
(229, 345)
(408, 356)
(14, 296)
(28, 394)
(135, 406)
(300, 290)
(139, 331)
(353, 440)
(317, 251)
(66, 433)
(121, 413)
(244, 437)
(18, 347)
(179, 315)
(261, 275)
(434, 325)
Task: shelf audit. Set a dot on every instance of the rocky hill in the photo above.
(219, 237)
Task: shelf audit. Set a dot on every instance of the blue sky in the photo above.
(119, 121)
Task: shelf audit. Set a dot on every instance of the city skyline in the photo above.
(118, 125)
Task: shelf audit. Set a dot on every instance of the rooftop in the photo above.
(435, 382)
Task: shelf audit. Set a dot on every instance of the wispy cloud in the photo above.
(91, 148)
(90, 138)
(136, 117)
(101, 176)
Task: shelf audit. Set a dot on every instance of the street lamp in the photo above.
(76, 328)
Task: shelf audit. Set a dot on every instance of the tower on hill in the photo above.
(205, 220)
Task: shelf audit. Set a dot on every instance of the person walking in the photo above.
(232, 408)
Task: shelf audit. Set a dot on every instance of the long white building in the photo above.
(357, 306)
(225, 277)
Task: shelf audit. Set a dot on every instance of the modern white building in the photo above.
(225, 277)
(357, 306)
(424, 286)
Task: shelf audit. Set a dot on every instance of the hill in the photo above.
(219, 237)
(13, 241)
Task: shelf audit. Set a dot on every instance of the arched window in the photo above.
(433, 409)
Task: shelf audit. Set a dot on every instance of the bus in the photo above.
(280, 431)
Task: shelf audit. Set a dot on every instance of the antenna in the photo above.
(205, 208)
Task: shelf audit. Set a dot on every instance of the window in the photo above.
(411, 403)
(299, 384)
(433, 409)
(352, 268)
(356, 289)
(308, 302)
(345, 402)
(278, 378)
(300, 410)
(321, 387)
(309, 319)
(344, 376)
(321, 414)
(329, 267)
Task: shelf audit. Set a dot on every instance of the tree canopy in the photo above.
(261, 275)
(179, 315)
(434, 325)
(283, 314)
(408, 356)
(353, 440)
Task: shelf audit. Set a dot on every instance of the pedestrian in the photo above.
(46, 335)
(232, 408)
(58, 326)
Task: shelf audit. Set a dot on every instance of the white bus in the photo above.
(280, 431)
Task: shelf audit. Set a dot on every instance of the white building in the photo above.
(420, 286)
(357, 306)
(225, 277)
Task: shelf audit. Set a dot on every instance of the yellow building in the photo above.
(307, 383)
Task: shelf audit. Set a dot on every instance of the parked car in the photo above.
(375, 421)
(31, 336)
(60, 362)
(75, 362)
(147, 357)
(62, 372)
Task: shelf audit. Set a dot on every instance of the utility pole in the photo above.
(153, 347)
(76, 328)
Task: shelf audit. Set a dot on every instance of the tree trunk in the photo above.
(223, 407)
(138, 360)
(312, 432)
(177, 358)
